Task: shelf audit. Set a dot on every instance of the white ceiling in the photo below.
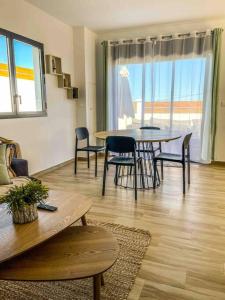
(103, 15)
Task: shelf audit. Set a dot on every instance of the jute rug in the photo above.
(118, 280)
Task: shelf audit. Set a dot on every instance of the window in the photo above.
(22, 81)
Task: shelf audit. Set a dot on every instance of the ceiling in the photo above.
(103, 15)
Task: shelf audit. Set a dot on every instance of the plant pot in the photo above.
(28, 214)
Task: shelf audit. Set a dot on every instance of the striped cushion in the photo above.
(4, 174)
(10, 153)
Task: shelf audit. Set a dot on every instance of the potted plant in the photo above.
(22, 201)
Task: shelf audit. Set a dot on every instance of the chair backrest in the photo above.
(186, 144)
(82, 133)
(150, 127)
(120, 144)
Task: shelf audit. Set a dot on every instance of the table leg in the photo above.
(83, 220)
(97, 286)
(102, 280)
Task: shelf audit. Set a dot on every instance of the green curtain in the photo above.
(216, 41)
(105, 84)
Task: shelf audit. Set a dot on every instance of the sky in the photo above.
(23, 53)
(188, 80)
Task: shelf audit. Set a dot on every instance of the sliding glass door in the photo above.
(168, 94)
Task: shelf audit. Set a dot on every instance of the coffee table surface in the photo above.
(16, 239)
(77, 252)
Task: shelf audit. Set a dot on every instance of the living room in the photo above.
(144, 78)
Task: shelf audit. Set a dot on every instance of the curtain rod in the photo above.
(154, 38)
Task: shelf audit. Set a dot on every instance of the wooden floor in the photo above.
(186, 257)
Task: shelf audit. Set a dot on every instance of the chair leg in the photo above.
(135, 181)
(104, 178)
(160, 150)
(155, 172)
(162, 175)
(189, 171)
(184, 184)
(96, 164)
(142, 175)
(75, 162)
(88, 159)
(116, 176)
(97, 286)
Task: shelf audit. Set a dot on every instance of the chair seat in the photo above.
(121, 160)
(92, 148)
(169, 157)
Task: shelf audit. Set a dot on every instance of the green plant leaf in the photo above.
(20, 196)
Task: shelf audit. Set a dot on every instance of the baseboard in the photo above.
(53, 168)
(46, 171)
(218, 163)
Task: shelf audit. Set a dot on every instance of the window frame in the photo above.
(10, 36)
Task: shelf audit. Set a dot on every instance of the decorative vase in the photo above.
(27, 214)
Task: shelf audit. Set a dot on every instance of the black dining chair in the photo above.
(183, 158)
(153, 149)
(83, 134)
(124, 146)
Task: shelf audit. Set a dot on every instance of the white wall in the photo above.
(90, 81)
(44, 141)
(79, 67)
(180, 27)
(85, 78)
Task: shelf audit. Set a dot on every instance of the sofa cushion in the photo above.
(17, 181)
(4, 174)
(20, 167)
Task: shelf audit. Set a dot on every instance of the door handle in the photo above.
(18, 97)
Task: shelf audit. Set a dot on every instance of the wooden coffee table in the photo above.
(48, 249)
(77, 252)
(16, 238)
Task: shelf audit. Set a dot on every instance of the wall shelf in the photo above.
(72, 93)
(64, 81)
(53, 65)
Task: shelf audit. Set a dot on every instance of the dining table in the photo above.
(146, 139)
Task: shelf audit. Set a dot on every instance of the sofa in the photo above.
(17, 167)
